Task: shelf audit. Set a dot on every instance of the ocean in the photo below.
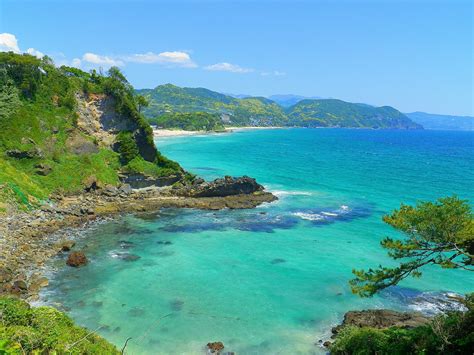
(272, 280)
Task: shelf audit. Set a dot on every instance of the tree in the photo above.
(142, 101)
(9, 99)
(439, 233)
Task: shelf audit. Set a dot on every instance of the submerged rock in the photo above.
(125, 244)
(76, 259)
(177, 305)
(278, 261)
(125, 256)
(164, 242)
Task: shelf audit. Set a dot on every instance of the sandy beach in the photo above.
(161, 133)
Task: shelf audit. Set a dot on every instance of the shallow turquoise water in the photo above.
(271, 280)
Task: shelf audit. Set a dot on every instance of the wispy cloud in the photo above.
(101, 60)
(175, 58)
(228, 67)
(272, 73)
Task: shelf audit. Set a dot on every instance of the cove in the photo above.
(272, 279)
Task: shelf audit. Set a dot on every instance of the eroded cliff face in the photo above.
(98, 118)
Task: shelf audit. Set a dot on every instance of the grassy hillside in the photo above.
(257, 111)
(46, 144)
(44, 330)
(240, 112)
(338, 113)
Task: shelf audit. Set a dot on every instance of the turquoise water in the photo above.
(272, 280)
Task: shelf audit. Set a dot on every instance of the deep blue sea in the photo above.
(272, 280)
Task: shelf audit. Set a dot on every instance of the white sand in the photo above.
(160, 133)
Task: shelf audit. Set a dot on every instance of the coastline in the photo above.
(29, 239)
(166, 133)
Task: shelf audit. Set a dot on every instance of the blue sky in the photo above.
(413, 55)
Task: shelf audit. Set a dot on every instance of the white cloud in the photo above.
(101, 60)
(8, 43)
(76, 62)
(35, 52)
(233, 68)
(181, 59)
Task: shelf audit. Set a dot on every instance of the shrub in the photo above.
(44, 330)
(451, 333)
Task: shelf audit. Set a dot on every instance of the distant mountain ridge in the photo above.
(261, 111)
(288, 100)
(442, 122)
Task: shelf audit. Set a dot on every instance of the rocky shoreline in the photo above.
(29, 239)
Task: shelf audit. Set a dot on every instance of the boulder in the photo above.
(19, 287)
(67, 245)
(43, 169)
(91, 183)
(76, 259)
(382, 318)
(327, 344)
(215, 347)
(6, 275)
(38, 283)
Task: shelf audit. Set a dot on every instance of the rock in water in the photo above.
(215, 347)
(76, 259)
(227, 186)
(382, 318)
(67, 245)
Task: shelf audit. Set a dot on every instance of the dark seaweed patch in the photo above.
(278, 261)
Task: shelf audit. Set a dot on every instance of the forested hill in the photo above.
(259, 111)
(338, 113)
(248, 111)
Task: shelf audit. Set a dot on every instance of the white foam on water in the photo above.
(309, 216)
(280, 193)
(434, 303)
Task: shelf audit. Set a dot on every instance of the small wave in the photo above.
(437, 302)
(280, 193)
(308, 216)
(428, 302)
(330, 214)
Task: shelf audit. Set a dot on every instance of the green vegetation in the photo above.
(42, 147)
(239, 112)
(439, 233)
(451, 333)
(193, 121)
(44, 330)
(258, 111)
(127, 147)
(337, 113)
